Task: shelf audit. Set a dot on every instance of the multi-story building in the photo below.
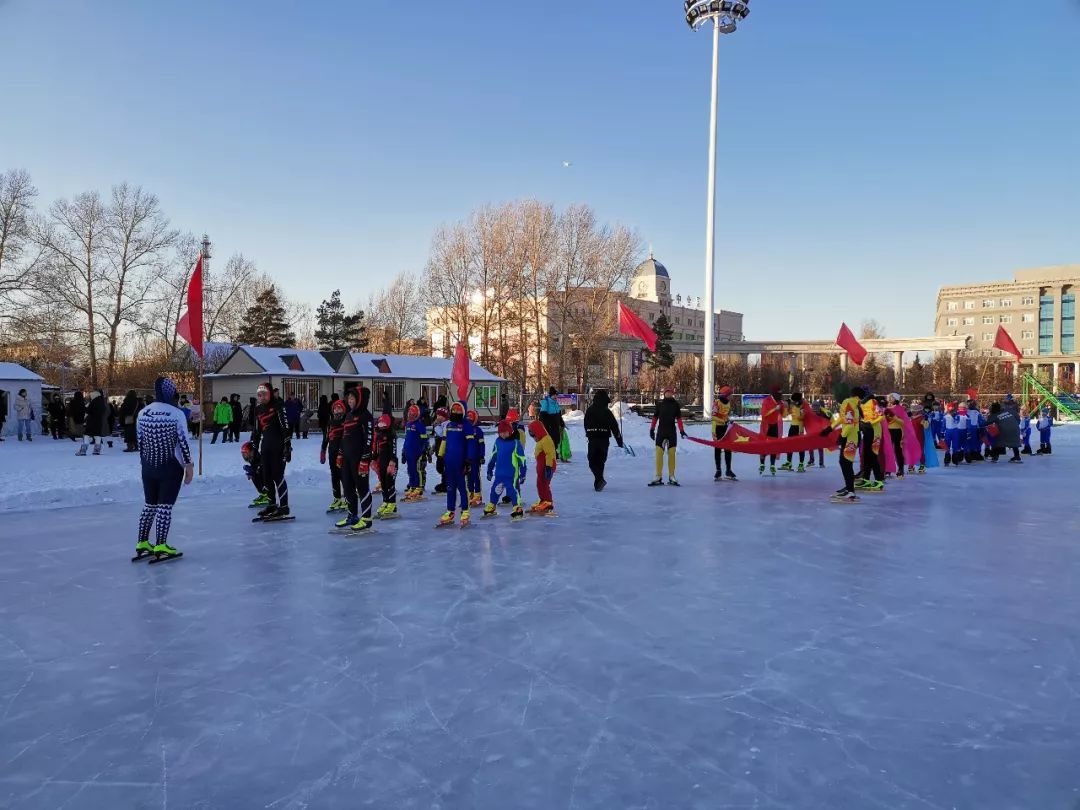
(1037, 308)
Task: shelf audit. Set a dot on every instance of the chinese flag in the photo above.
(631, 325)
(846, 341)
(1005, 342)
(190, 325)
(459, 377)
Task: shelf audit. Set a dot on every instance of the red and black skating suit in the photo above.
(270, 436)
(356, 457)
(331, 449)
(385, 450)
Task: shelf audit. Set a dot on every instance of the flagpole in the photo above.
(205, 262)
(202, 368)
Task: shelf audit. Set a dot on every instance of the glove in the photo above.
(322, 456)
(652, 434)
(339, 462)
(682, 434)
(549, 473)
(363, 467)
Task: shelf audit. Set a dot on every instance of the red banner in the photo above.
(190, 325)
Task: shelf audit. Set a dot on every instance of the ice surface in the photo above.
(717, 645)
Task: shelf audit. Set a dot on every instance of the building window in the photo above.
(304, 389)
(430, 392)
(1006, 302)
(1027, 301)
(1028, 351)
(1005, 319)
(1027, 334)
(969, 305)
(988, 336)
(1028, 317)
(952, 321)
(988, 303)
(988, 318)
(396, 390)
(486, 397)
(1068, 323)
(969, 321)
(952, 306)
(1046, 324)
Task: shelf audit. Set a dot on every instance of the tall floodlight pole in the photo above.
(725, 16)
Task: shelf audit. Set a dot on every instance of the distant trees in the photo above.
(337, 329)
(266, 323)
(663, 357)
(396, 317)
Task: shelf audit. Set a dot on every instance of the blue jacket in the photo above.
(508, 459)
(416, 439)
(549, 405)
(477, 448)
(455, 449)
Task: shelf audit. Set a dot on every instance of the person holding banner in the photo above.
(721, 420)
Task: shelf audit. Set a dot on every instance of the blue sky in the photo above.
(918, 144)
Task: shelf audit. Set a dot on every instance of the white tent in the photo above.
(14, 378)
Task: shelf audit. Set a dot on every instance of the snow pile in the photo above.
(574, 416)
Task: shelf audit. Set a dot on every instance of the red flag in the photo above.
(846, 341)
(460, 375)
(190, 325)
(1005, 342)
(630, 324)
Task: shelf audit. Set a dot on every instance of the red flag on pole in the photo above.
(1005, 342)
(631, 325)
(459, 377)
(190, 325)
(846, 341)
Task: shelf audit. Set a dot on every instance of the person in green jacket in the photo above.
(222, 418)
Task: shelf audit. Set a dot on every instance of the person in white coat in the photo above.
(24, 415)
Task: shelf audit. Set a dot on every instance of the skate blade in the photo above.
(543, 514)
(844, 501)
(140, 557)
(170, 558)
(394, 516)
(273, 520)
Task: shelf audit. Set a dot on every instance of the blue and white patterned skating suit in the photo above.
(162, 434)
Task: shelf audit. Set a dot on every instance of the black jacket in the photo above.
(77, 409)
(97, 416)
(237, 412)
(358, 429)
(600, 422)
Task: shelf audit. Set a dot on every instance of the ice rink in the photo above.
(718, 645)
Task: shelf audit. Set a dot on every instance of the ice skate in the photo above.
(948, 459)
(388, 511)
(671, 482)
(657, 482)
(717, 475)
(260, 500)
(761, 469)
(1016, 460)
(801, 468)
(466, 518)
(266, 511)
(346, 521)
(82, 450)
(273, 514)
(786, 467)
(874, 486)
(911, 469)
(476, 499)
(772, 470)
(446, 520)
(844, 497)
(809, 464)
(362, 525)
(143, 549)
(97, 449)
(542, 508)
(491, 511)
(922, 469)
(163, 552)
(730, 476)
(518, 513)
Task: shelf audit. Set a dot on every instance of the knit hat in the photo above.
(338, 406)
(513, 414)
(165, 390)
(725, 391)
(505, 428)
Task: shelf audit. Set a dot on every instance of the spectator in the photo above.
(222, 420)
(323, 414)
(24, 415)
(129, 410)
(305, 420)
(293, 408)
(249, 415)
(504, 406)
(196, 419)
(76, 412)
(237, 417)
(96, 424)
(56, 417)
(551, 416)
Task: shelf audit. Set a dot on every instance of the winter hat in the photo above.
(414, 412)
(442, 413)
(164, 390)
(263, 389)
(725, 392)
(895, 398)
(384, 422)
(457, 409)
(513, 415)
(247, 450)
(338, 406)
(473, 417)
(505, 428)
(536, 430)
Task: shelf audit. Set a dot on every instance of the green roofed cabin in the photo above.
(309, 374)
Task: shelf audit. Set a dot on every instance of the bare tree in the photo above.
(449, 280)
(137, 235)
(18, 253)
(402, 306)
(73, 235)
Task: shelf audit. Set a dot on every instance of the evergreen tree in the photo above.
(338, 330)
(915, 380)
(265, 324)
(663, 357)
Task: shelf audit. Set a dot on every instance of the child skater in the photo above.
(795, 412)
(1025, 431)
(545, 468)
(386, 453)
(331, 448)
(415, 451)
(848, 414)
(253, 471)
(1045, 425)
(896, 433)
(438, 428)
(477, 454)
(772, 420)
(455, 452)
(505, 469)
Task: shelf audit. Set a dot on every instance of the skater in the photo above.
(237, 421)
(416, 453)
(129, 410)
(97, 418)
(385, 452)
(1004, 431)
(974, 441)
(819, 409)
(922, 432)
(505, 469)
(721, 421)
(772, 420)
(896, 432)
(514, 418)
(1025, 431)
(254, 473)
(455, 451)
(222, 420)
(442, 418)
(331, 448)
(665, 421)
(796, 413)
(322, 413)
(1045, 426)
(166, 461)
(551, 416)
(872, 478)
(354, 460)
(952, 434)
(546, 463)
(273, 444)
(24, 415)
(849, 416)
(600, 426)
(477, 454)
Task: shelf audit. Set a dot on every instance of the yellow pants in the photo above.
(660, 462)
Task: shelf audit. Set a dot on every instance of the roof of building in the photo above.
(13, 371)
(308, 363)
(651, 267)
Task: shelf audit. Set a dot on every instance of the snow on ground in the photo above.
(743, 645)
